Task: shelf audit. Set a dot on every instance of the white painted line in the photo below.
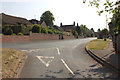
(58, 51)
(67, 67)
(25, 50)
(45, 63)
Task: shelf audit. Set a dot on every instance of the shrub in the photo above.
(20, 34)
(7, 31)
(74, 33)
(13, 34)
(36, 28)
(50, 32)
(44, 30)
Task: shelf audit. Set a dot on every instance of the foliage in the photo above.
(78, 30)
(74, 33)
(53, 29)
(20, 34)
(107, 4)
(50, 31)
(13, 34)
(48, 17)
(44, 30)
(84, 30)
(36, 28)
(7, 30)
(105, 32)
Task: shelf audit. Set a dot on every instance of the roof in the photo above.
(58, 28)
(12, 20)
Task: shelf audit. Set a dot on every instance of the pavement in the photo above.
(109, 56)
(59, 59)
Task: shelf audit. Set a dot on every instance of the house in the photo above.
(68, 28)
(34, 21)
(12, 20)
(58, 28)
(42, 24)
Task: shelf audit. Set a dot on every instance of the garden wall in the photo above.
(15, 38)
(31, 37)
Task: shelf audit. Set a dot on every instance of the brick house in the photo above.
(68, 28)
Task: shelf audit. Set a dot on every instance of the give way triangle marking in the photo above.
(45, 60)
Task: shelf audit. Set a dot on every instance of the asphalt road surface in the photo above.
(59, 59)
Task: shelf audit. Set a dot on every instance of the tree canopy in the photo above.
(48, 17)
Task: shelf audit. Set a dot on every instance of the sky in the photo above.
(64, 11)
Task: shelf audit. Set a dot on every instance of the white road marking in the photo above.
(58, 51)
(24, 50)
(67, 67)
(48, 62)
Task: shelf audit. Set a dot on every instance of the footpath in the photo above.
(107, 57)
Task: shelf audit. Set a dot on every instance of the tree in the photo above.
(105, 32)
(92, 29)
(78, 30)
(36, 28)
(107, 4)
(48, 17)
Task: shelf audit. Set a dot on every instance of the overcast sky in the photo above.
(65, 11)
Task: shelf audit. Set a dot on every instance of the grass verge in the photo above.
(98, 44)
(11, 59)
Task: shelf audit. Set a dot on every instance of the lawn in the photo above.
(98, 44)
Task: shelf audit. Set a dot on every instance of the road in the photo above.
(59, 59)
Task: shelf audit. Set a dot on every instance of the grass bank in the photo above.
(98, 44)
(11, 60)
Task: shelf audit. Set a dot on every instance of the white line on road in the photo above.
(67, 67)
(45, 57)
(58, 51)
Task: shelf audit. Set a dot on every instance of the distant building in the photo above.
(34, 21)
(42, 24)
(12, 20)
(68, 28)
(58, 28)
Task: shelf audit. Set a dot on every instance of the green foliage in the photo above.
(36, 28)
(74, 33)
(48, 17)
(50, 31)
(78, 30)
(7, 30)
(13, 34)
(84, 30)
(105, 32)
(44, 30)
(20, 34)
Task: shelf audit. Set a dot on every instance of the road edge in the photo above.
(101, 61)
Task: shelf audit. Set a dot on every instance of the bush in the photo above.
(13, 34)
(74, 33)
(50, 32)
(7, 31)
(43, 30)
(20, 34)
(36, 28)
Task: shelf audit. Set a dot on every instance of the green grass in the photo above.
(98, 44)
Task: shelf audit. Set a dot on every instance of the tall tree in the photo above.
(48, 17)
(78, 30)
